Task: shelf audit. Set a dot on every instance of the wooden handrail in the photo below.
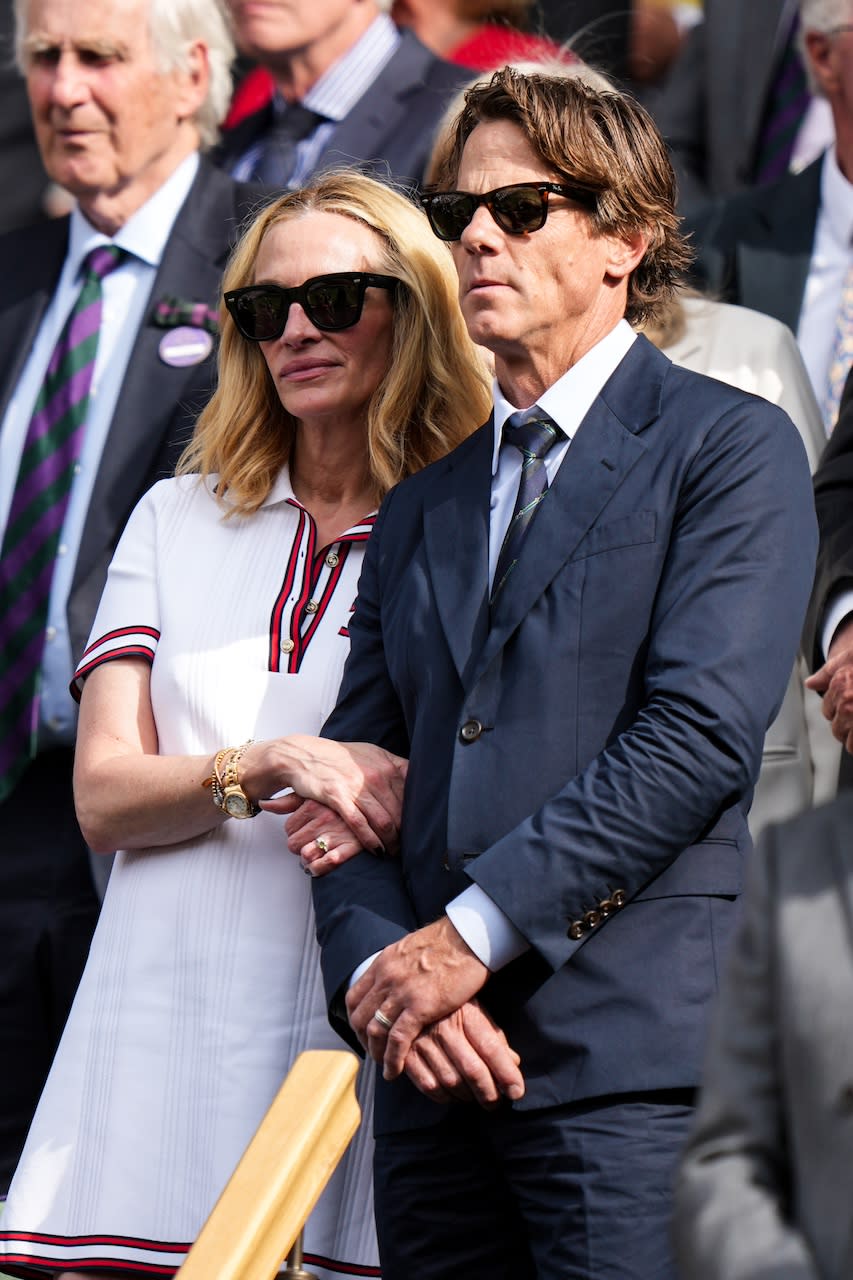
(282, 1172)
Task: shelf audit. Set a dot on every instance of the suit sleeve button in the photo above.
(591, 919)
(575, 930)
(606, 908)
(470, 731)
(619, 897)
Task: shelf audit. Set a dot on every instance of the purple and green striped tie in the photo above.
(51, 448)
(533, 436)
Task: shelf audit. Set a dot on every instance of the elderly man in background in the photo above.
(577, 628)
(346, 87)
(107, 323)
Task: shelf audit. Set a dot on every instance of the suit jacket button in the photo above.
(470, 731)
(606, 908)
(591, 919)
(575, 930)
(618, 897)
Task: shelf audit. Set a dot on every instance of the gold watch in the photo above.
(229, 796)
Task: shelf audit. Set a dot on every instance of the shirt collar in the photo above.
(836, 199)
(145, 234)
(339, 88)
(568, 401)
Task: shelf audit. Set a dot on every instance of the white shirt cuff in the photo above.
(490, 934)
(361, 968)
(836, 611)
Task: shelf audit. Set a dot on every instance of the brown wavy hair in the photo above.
(602, 140)
(435, 392)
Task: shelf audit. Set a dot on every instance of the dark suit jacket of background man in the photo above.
(613, 717)
(833, 487)
(153, 420)
(390, 130)
(755, 248)
(712, 107)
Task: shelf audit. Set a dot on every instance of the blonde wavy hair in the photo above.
(435, 392)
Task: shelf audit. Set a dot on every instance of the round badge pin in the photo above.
(185, 346)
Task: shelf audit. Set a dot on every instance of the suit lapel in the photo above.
(27, 292)
(380, 112)
(456, 538)
(602, 453)
(772, 268)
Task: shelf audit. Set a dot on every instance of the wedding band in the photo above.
(383, 1021)
(322, 844)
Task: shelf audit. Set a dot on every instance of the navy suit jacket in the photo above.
(158, 404)
(390, 130)
(623, 687)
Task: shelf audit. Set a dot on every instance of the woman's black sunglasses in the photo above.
(330, 302)
(520, 207)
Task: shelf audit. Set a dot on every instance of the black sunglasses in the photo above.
(521, 207)
(330, 302)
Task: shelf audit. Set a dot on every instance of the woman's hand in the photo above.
(320, 839)
(362, 783)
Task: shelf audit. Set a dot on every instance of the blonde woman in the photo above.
(344, 367)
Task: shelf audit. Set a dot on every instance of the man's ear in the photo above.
(820, 49)
(626, 253)
(193, 81)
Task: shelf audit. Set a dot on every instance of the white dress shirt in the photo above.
(832, 256)
(126, 293)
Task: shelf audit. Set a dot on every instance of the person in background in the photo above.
(736, 109)
(107, 330)
(344, 366)
(343, 86)
(763, 1190)
(787, 249)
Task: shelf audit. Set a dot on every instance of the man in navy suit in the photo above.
(582, 704)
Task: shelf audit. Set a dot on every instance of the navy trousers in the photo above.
(578, 1192)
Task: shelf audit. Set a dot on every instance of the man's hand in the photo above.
(835, 681)
(412, 983)
(467, 1057)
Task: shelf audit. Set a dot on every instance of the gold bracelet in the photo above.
(235, 802)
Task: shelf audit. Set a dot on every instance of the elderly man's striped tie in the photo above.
(533, 436)
(51, 448)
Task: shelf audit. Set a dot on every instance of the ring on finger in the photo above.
(322, 844)
(383, 1020)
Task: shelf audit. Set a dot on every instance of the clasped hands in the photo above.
(431, 1026)
(835, 681)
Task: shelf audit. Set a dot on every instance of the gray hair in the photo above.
(824, 16)
(173, 26)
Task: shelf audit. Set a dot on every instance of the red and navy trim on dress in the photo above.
(38, 1251)
(125, 642)
(311, 576)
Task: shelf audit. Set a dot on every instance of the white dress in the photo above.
(203, 982)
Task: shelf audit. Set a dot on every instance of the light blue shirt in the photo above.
(334, 95)
(126, 293)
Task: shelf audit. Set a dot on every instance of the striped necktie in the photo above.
(841, 354)
(533, 437)
(43, 487)
(787, 103)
